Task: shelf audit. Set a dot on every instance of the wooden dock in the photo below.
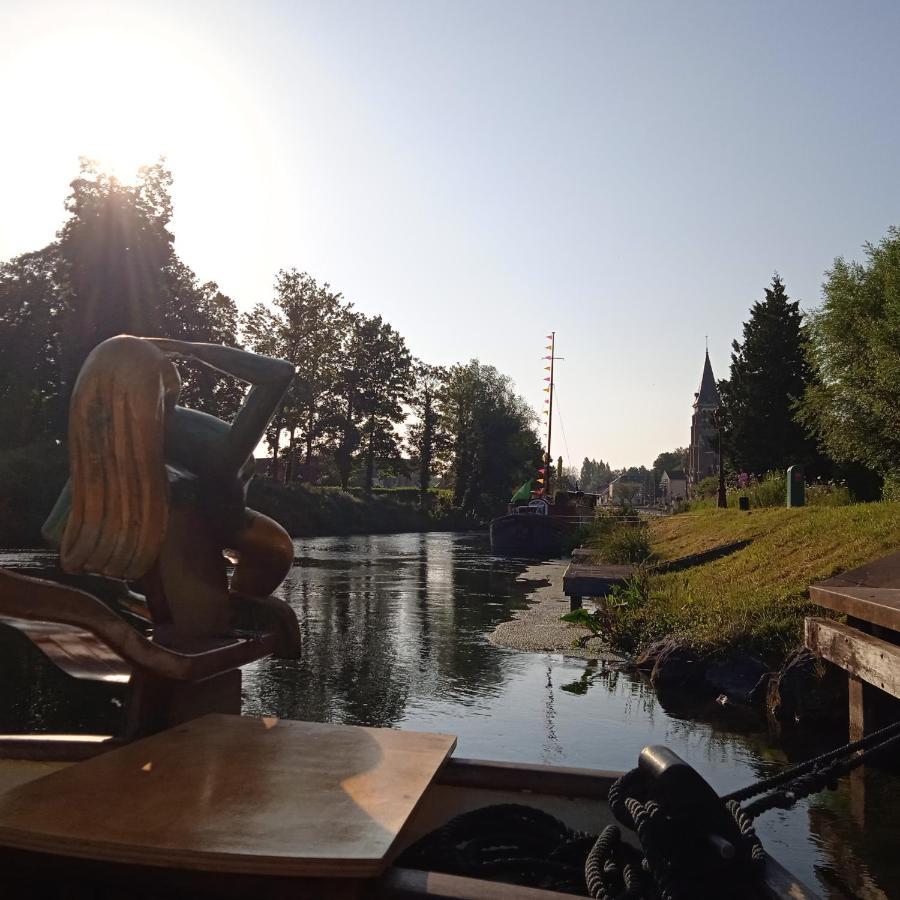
(584, 579)
(868, 646)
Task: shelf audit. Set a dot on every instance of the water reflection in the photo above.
(399, 638)
(395, 633)
(406, 623)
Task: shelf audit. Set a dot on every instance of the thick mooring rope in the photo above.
(676, 859)
(661, 877)
(815, 774)
(674, 863)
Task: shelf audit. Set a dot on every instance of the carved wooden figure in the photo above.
(157, 499)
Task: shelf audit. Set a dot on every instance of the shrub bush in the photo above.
(890, 491)
(619, 541)
(771, 491)
(31, 478)
(627, 544)
(305, 511)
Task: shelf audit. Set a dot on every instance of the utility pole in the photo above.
(548, 459)
(548, 462)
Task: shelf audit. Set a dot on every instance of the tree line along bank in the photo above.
(361, 408)
(818, 389)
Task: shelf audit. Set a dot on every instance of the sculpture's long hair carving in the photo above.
(119, 489)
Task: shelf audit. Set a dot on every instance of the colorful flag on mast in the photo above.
(523, 493)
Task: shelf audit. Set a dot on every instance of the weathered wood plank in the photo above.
(861, 655)
(413, 884)
(878, 605)
(62, 748)
(234, 794)
(857, 713)
(534, 778)
(74, 650)
(881, 573)
(581, 580)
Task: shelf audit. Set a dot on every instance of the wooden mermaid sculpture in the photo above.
(157, 492)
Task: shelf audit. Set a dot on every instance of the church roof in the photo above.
(708, 395)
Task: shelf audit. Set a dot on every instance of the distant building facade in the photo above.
(626, 490)
(703, 453)
(672, 487)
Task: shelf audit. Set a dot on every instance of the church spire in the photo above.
(708, 395)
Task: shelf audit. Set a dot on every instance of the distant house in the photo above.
(626, 490)
(673, 486)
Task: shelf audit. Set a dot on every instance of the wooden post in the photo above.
(856, 690)
(155, 703)
(859, 723)
(574, 603)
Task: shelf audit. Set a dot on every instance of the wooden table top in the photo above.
(234, 794)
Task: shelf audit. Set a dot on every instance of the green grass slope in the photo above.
(757, 597)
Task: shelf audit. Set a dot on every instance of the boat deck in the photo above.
(231, 807)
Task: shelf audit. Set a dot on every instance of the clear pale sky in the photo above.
(627, 174)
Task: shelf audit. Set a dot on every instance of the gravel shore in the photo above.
(538, 628)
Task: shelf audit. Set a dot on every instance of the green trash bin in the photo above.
(796, 486)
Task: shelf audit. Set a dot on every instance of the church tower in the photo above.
(703, 454)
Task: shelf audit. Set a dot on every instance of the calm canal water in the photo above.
(395, 632)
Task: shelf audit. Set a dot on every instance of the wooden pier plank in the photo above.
(878, 605)
(582, 580)
(862, 656)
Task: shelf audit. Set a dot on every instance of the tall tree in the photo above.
(261, 329)
(426, 435)
(376, 379)
(308, 326)
(32, 300)
(112, 270)
(855, 352)
(116, 251)
(491, 428)
(769, 375)
(386, 380)
(594, 475)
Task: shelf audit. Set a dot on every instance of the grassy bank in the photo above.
(755, 598)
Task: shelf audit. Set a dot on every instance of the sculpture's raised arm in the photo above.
(269, 378)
